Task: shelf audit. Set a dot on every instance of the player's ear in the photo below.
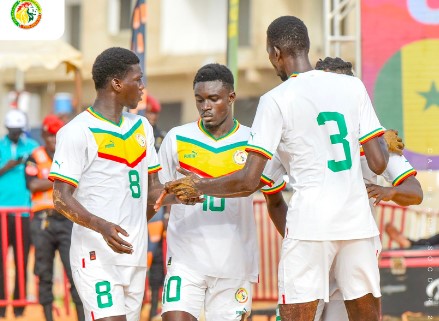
(277, 52)
(116, 84)
(232, 97)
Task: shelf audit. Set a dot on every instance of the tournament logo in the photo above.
(26, 14)
(241, 295)
(141, 140)
(240, 157)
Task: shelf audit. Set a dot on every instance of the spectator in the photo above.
(14, 148)
(405, 242)
(50, 230)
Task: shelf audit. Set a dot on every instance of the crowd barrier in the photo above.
(7, 260)
(414, 223)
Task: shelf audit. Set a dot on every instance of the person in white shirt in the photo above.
(105, 172)
(314, 120)
(212, 256)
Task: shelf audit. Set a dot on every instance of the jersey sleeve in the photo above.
(274, 172)
(266, 130)
(370, 126)
(152, 157)
(167, 159)
(70, 157)
(398, 169)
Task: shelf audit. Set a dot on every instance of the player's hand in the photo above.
(394, 142)
(380, 193)
(110, 233)
(191, 200)
(184, 188)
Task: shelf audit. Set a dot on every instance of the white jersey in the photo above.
(217, 238)
(397, 170)
(317, 138)
(108, 164)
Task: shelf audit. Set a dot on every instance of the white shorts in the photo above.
(111, 290)
(306, 269)
(189, 291)
(335, 309)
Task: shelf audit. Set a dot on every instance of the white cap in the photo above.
(15, 119)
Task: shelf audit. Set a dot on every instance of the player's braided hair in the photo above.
(213, 72)
(112, 63)
(337, 65)
(289, 34)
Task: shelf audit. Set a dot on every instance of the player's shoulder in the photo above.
(134, 118)
(244, 129)
(185, 129)
(77, 124)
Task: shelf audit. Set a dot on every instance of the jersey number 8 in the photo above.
(133, 177)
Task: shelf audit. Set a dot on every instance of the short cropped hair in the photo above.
(112, 63)
(289, 34)
(213, 72)
(336, 65)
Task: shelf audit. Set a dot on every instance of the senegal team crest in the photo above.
(240, 157)
(141, 140)
(241, 295)
(26, 14)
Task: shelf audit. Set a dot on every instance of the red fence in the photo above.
(17, 214)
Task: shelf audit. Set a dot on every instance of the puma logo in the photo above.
(57, 163)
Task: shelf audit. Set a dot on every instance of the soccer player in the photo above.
(212, 257)
(105, 171)
(314, 120)
(406, 190)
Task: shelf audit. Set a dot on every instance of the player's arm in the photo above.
(239, 184)
(277, 210)
(33, 182)
(409, 192)
(376, 154)
(68, 206)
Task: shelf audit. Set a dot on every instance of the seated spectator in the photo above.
(405, 242)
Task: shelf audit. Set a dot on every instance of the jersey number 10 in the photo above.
(333, 165)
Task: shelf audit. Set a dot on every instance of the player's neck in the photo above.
(298, 65)
(108, 108)
(222, 129)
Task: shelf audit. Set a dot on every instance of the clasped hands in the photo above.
(184, 190)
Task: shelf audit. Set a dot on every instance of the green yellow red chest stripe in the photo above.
(128, 148)
(209, 161)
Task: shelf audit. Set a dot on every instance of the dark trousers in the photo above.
(12, 240)
(47, 239)
(431, 241)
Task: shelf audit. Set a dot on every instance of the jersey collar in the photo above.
(231, 131)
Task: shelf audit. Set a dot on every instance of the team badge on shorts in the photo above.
(141, 140)
(241, 295)
(26, 14)
(240, 157)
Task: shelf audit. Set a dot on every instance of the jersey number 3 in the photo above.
(333, 165)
